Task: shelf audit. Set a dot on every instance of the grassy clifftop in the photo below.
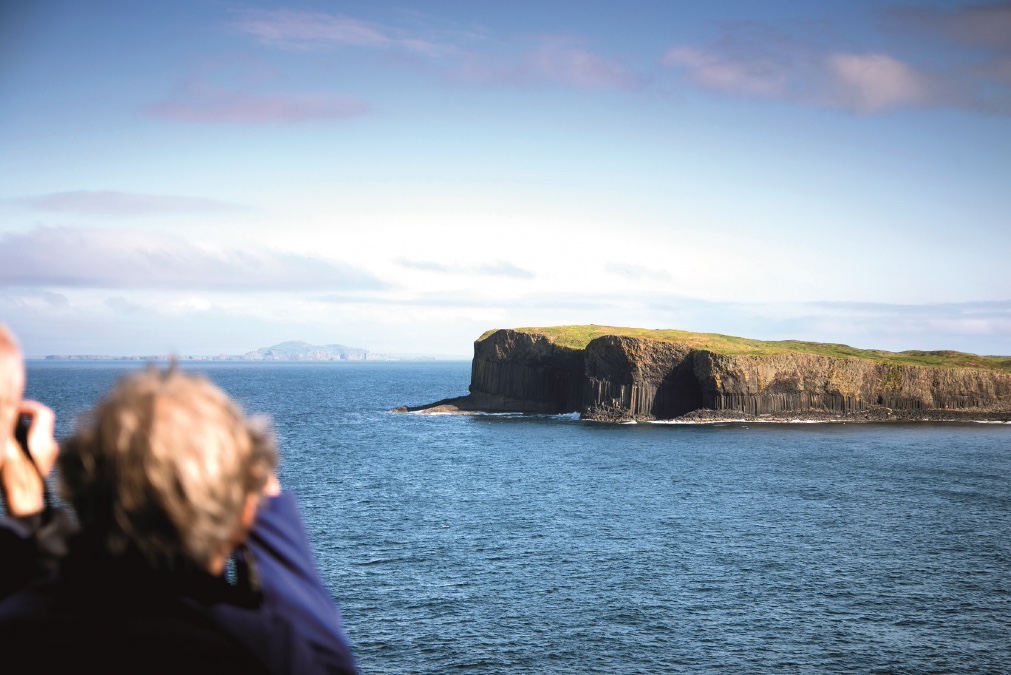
(577, 337)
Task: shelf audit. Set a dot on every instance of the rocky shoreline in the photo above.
(874, 414)
(871, 415)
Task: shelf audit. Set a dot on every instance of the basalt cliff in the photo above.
(617, 374)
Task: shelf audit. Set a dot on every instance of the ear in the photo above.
(249, 510)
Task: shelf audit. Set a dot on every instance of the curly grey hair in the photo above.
(165, 464)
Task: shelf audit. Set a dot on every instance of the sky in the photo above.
(211, 177)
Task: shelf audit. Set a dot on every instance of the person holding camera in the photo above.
(190, 558)
(27, 433)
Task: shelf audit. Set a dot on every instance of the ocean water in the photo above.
(548, 545)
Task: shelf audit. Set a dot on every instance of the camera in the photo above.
(21, 432)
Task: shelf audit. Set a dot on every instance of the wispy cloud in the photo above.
(424, 265)
(242, 91)
(730, 74)
(26, 297)
(109, 203)
(559, 60)
(501, 268)
(554, 60)
(565, 61)
(498, 268)
(630, 271)
(780, 68)
(971, 69)
(994, 309)
(99, 258)
(872, 83)
(202, 103)
(295, 29)
(863, 83)
(925, 326)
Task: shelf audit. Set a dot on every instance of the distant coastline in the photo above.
(284, 351)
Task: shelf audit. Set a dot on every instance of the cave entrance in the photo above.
(679, 393)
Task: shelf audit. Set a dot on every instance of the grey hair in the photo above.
(164, 464)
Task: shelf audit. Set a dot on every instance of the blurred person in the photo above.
(31, 538)
(172, 486)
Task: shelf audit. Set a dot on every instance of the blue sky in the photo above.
(212, 177)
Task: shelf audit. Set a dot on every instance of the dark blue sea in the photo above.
(548, 545)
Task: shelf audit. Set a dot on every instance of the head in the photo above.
(12, 380)
(169, 466)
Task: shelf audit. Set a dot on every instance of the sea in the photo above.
(498, 543)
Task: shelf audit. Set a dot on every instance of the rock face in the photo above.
(630, 378)
(621, 378)
(801, 382)
(526, 373)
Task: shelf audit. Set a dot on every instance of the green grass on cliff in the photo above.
(577, 337)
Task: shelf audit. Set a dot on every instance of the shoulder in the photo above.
(55, 628)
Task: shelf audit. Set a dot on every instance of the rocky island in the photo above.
(626, 374)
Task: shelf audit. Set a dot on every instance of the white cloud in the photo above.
(864, 83)
(968, 71)
(110, 203)
(498, 268)
(425, 265)
(631, 271)
(295, 29)
(501, 268)
(553, 60)
(98, 258)
(872, 83)
(566, 62)
(206, 104)
(711, 70)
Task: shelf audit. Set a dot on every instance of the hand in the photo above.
(22, 486)
(273, 486)
(41, 440)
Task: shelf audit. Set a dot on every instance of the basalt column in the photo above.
(526, 372)
(638, 379)
(757, 385)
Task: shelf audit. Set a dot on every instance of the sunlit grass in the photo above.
(577, 337)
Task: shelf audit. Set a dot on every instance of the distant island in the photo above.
(284, 351)
(628, 374)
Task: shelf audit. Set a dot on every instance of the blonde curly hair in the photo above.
(164, 464)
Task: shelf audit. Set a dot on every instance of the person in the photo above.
(190, 558)
(29, 539)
